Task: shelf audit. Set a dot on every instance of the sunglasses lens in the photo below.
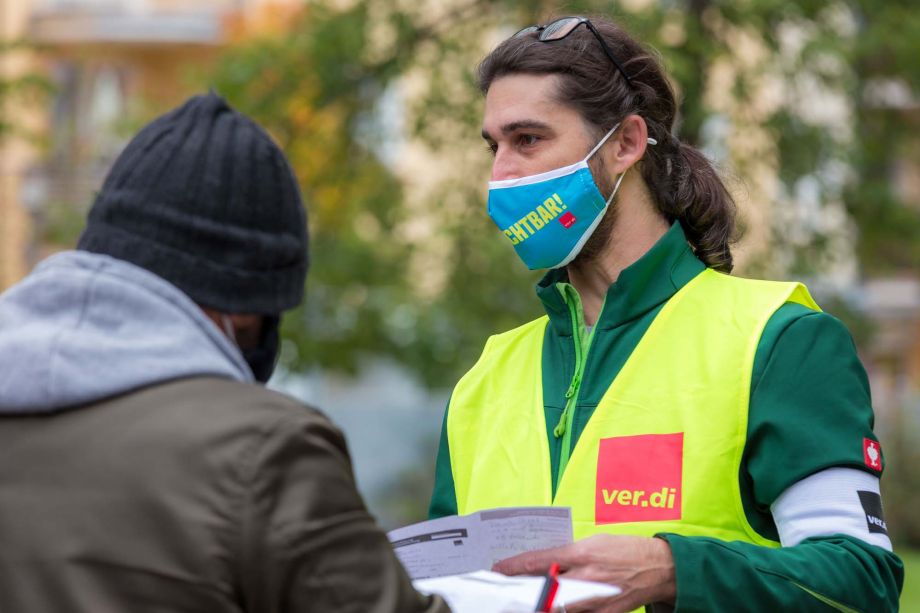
(560, 29)
(526, 31)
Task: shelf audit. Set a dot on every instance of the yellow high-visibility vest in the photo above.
(662, 450)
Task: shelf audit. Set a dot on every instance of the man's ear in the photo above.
(627, 145)
(215, 316)
(247, 328)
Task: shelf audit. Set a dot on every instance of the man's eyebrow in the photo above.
(519, 125)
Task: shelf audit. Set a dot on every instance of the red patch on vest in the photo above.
(567, 220)
(639, 478)
(872, 454)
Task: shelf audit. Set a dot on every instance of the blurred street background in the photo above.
(811, 109)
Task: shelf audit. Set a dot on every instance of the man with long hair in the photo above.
(712, 434)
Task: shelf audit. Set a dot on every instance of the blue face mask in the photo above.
(550, 216)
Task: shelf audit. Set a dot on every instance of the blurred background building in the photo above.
(107, 61)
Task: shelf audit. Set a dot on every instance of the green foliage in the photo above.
(318, 91)
(61, 224)
(885, 53)
(910, 595)
(29, 88)
(430, 296)
(901, 483)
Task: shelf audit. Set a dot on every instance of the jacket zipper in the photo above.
(567, 419)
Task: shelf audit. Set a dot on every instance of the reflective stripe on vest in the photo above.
(662, 450)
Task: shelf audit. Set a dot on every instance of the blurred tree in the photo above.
(321, 89)
(29, 87)
(375, 103)
(901, 484)
(887, 93)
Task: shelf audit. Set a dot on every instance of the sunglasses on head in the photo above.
(559, 29)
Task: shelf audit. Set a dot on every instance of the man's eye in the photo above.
(492, 148)
(528, 140)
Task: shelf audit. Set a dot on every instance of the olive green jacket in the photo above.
(203, 495)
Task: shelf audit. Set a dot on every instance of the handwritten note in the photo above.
(465, 543)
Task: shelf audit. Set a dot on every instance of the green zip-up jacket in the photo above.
(809, 410)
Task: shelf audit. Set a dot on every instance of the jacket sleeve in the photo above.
(832, 573)
(308, 542)
(444, 496)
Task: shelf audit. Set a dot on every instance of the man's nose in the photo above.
(504, 166)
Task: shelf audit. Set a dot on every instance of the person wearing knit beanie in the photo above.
(203, 198)
(144, 466)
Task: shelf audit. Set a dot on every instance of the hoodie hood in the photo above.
(84, 327)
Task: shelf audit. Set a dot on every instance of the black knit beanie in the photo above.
(203, 198)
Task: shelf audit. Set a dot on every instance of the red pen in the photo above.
(550, 587)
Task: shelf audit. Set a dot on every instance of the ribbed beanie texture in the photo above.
(203, 198)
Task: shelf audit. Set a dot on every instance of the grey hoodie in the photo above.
(84, 327)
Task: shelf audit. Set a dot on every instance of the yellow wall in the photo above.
(15, 154)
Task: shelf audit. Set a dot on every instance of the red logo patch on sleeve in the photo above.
(872, 454)
(639, 478)
(567, 220)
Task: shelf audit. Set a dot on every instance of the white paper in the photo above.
(488, 592)
(464, 543)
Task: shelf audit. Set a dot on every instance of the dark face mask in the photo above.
(263, 357)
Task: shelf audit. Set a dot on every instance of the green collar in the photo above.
(641, 286)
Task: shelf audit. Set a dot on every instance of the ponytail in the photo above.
(705, 209)
(687, 189)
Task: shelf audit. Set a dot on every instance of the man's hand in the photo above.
(642, 567)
